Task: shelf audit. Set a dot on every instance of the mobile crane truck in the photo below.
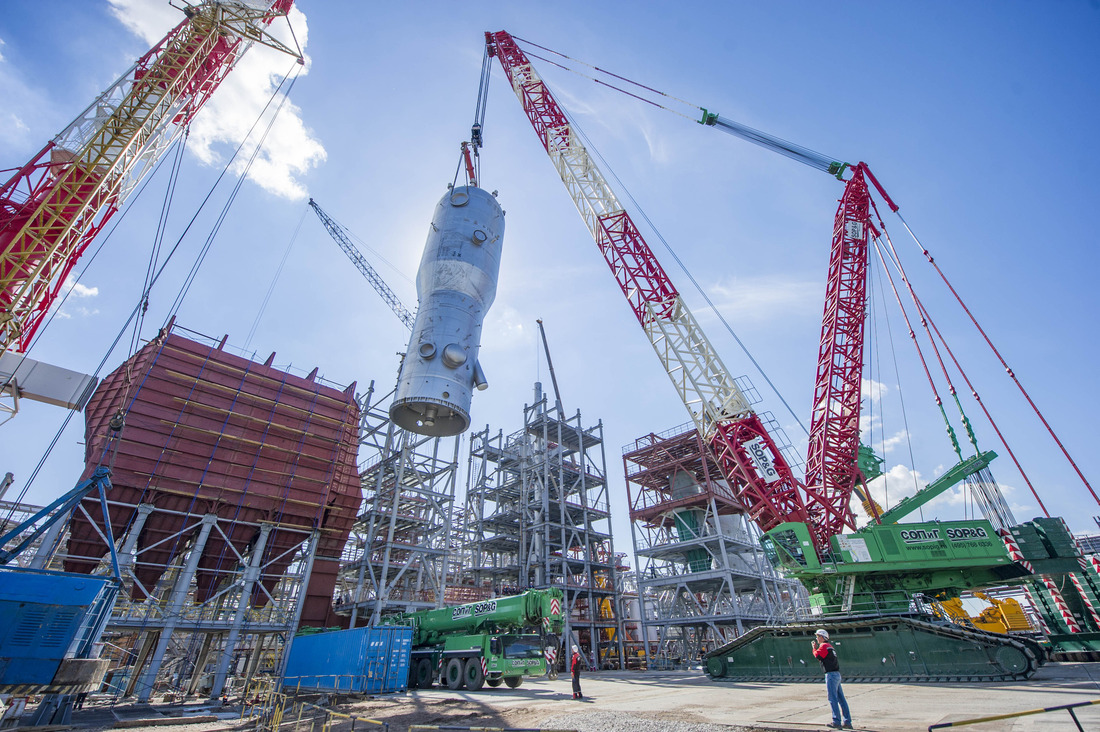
(495, 641)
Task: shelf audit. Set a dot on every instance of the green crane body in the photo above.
(500, 640)
(876, 588)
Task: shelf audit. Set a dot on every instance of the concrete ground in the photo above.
(688, 701)
(691, 697)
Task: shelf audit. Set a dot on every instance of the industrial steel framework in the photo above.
(702, 577)
(538, 516)
(398, 557)
(172, 640)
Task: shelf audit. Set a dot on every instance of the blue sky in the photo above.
(978, 117)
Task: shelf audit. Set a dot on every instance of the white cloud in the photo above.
(873, 390)
(1, 50)
(289, 150)
(506, 329)
(763, 298)
(890, 443)
(75, 289)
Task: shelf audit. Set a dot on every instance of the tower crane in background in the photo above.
(340, 236)
(879, 584)
(55, 205)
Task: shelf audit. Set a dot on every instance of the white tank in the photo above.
(455, 286)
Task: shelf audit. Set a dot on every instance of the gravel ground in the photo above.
(606, 721)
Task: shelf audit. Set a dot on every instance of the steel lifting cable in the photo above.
(110, 446)
(913, 337)
(819, 161)
(897, 376)
(683, 268)
(275, 280)
(997, 353)
(925, 316)
(612, 74)
(190, 279)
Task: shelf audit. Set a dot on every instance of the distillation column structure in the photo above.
(538, 516)
(702, 577)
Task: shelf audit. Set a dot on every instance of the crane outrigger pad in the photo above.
(891, 648)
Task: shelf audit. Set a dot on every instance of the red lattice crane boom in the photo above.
(749, 458)
(57, 203)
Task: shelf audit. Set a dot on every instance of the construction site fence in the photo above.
(282, 714)
(978, 720)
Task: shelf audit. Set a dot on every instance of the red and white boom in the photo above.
(53, 206)
(756, 471)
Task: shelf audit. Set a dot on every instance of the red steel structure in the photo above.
(55, 205)
(831, 468)
(208, 432)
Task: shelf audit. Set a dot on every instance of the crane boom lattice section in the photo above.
(832, 471)
(716, 404)
(344, 242)
(702, 380)
(53, 207)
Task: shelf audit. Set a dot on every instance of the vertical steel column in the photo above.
(175, 605)
(126, 559)
(49, 543)
(249, 578)
(293, 626)
(381, 591)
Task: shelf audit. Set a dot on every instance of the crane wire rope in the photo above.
(824, 163)
(997, 353)
(683, 268)
(116, 221)
(179, 537)
(275, 280)
(898, 381)
(816, 160)
(201, 258)
(924, 315)
(145, 294)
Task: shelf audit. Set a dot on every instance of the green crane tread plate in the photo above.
(888, 649)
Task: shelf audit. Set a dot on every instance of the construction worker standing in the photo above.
(824, 652)
(575, 664)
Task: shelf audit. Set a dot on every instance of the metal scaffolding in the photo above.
(397, 557)
(702, 577)
(537, 516)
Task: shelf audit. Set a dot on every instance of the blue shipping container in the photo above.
(372, 660)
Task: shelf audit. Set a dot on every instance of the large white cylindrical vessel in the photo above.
(455, 285)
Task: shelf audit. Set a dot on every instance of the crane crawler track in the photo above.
(889, 649)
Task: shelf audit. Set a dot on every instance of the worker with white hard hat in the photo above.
(824, 652)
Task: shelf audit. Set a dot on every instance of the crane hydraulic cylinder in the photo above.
(455, 285)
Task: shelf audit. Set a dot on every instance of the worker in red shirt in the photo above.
(824, 652)
(575, 664)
